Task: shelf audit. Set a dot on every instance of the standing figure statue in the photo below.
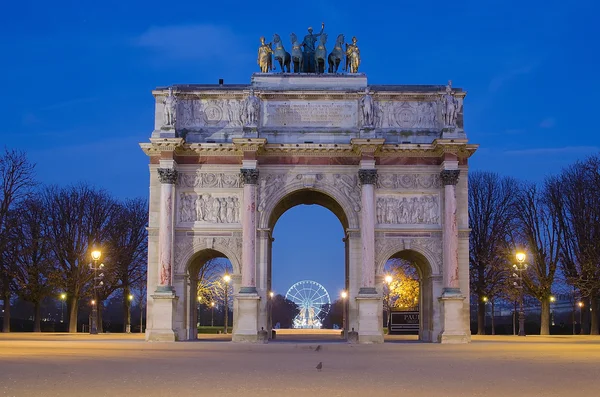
(368, 109)
(251, 109)
(450, 106)
(296, 54)
(280, 54)
(309, 49)
(335, 57)
(170, 109)
(352, 56)
(321, 55)
(264, 56)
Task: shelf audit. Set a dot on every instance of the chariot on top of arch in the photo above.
(309, 55)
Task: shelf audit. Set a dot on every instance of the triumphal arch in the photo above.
(390, 161)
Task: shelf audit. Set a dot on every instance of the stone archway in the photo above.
(428, 283)
(273, 210)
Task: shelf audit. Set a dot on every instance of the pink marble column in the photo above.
(449, 179)
(368, 179)
(168, 178)
(250, 179)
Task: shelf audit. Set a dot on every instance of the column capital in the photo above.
(449, 177)
(249, 176)
(367, 177)
(167, 175)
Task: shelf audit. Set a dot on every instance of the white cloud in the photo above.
(555, 150)
(192, 42)
(548, 122)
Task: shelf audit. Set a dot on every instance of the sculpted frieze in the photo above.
(208, 208)
(411, 210)
(209, 180)
(406, 115)
(199, 113)
(269, 184)
(408, 181)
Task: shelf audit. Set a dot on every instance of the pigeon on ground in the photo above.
(319, 366)
(318, 348)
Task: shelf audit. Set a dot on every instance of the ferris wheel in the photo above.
(312, 300)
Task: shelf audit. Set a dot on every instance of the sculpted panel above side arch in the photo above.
(430, 248)
(186, 248)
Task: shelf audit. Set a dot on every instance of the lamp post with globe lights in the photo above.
(270, 308)
(519, 267)
(212, 314)
(96, 254)
(344, 296)
(63, 297)
(227, 279)
(199, 307)
(128, 327)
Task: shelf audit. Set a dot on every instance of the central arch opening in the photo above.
(308, 268)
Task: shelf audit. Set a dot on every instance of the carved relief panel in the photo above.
(208, 208)
(206, 113)
(200, 179)
(407, 115)
(408, 209)
(408, 181)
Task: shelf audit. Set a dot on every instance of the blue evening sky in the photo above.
(77, 77)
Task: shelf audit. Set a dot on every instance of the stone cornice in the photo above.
(158, 145)
(376, 147)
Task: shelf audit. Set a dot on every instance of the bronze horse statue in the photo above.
(335, 57)
(281, 55)
(296, 54)
(321, 54)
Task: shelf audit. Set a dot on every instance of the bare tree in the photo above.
(538, 230)
(128, 242)
(79, 218)
(16, 182)
(31, 254)
(491, 199)
(575, 198)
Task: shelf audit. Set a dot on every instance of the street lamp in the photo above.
(199, 307)
(388, 281)
(212, 314)
(63, 296)
(519, 267)
(96, 254)
(580, 304)
(344, 296)
(128, 327)
(227, 279)
(485, 301)
(270, 308)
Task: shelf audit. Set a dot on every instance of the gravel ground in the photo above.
(113, 365)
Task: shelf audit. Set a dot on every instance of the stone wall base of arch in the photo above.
(163, 315)
(245, 322)
(453, 324)
(369, 319)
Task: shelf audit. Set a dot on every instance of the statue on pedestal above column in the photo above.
(450, 107)
(170, 109)
(251, 110)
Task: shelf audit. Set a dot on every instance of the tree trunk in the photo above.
(493, 315)
(37, 319)
(72, 311)
(594, 315)
(6, 297)
(545, 316)
(480, 316)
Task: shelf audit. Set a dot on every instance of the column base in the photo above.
(163, 312)
(453, 325)
(245, 325)
(369, 320)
